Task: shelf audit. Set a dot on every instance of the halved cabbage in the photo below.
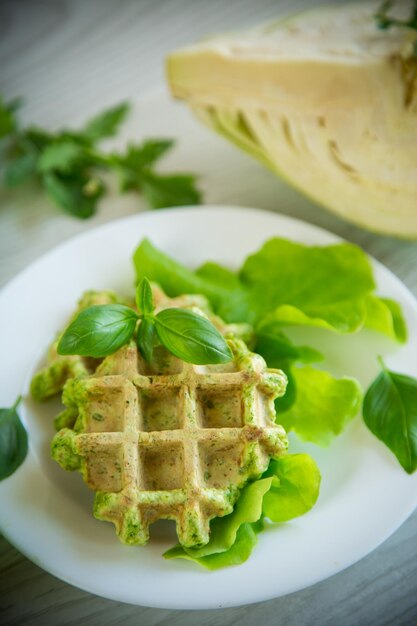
(326, 99)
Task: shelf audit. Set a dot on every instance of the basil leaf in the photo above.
(99, 330)
(191, 337)
(13, 441)
(144, 297)
(390, 413)
(146, 338)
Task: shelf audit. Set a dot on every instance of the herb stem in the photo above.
(18, 401)
(382, 363)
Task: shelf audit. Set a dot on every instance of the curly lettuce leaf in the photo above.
(286, 283)
(398, 319)
(279, 352)
(317, 285)
(323, 407)
(343, 317)
(289, 488)
(295, 487)
(231, 537)
(174, 278)
(238, 553)
(218, 275)
(276, 348)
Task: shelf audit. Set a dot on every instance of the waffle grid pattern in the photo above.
(174, 445)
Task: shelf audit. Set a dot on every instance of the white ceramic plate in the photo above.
(47, 513)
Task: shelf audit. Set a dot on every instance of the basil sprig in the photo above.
(13, 441)
(102, 329)
(390, 412)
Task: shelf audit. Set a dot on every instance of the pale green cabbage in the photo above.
(326, 99)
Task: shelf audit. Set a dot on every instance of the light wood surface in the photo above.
(69, 59)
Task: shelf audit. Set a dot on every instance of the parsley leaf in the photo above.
(62, 157)
(76, 194)
(17, 171)
(385, 21)
(129, 165)
(106, 124)
(8, 122)
(163, 191)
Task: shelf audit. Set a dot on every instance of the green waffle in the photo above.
(170, 440)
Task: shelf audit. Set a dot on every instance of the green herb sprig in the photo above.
(13, 441)
(101, 330)
(385, 21)
(69, 164)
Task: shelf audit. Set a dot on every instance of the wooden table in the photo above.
(69, 59)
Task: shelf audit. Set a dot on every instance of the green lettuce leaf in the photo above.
(285, 402)
(290, 488)
(174, 278)
(238, 553)
(344, 317)
(231, 536)
(218, 275)
(323, 407)
(276, 348)
(279, 352)
(295, 487)
(385, 316)
(322, 285)
(284, 283)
